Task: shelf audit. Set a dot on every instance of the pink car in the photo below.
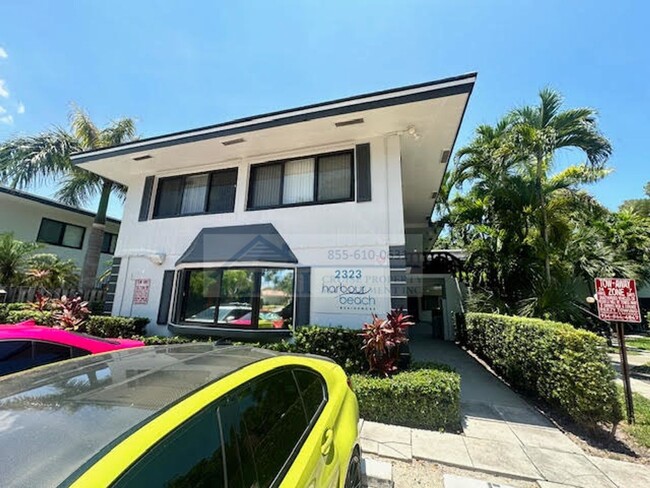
(25, 345)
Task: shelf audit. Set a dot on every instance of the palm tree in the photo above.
(14, 258)
(540, 131)
(33, 159)
(496, 217)
(48, 271)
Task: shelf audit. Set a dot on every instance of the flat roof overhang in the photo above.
(426, 116)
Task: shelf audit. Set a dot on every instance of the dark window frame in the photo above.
(112, 243)
(206, 203)
(181, 294)
(314, 201)
(59, 242)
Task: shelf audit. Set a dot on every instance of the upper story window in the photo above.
(195, 194)
(325, 178)
(108, 245)
(61, 234)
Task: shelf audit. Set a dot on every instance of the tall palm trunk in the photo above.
(95, 240)
(544, 220)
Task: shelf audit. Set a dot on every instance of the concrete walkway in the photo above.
(502, 434)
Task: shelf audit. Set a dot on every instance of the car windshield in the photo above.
(71, 411)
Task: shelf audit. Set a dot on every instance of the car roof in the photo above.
(28, 330)
(72, 411)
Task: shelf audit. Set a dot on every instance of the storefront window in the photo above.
(236, 297)
(276, 298)
(201, 295)
(247, 298)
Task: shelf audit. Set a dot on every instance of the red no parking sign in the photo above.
(617, 300)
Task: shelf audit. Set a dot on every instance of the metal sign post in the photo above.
(625, 371)
(618, 302)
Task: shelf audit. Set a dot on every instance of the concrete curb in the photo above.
(376, 474)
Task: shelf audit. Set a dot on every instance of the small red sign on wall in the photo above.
(617, 300)
(141, 291)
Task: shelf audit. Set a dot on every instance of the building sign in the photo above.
(617, 300)
(141, 291)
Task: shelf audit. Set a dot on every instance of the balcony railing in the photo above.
(434, 262)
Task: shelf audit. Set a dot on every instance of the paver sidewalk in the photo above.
(562, 464)
(502, 433)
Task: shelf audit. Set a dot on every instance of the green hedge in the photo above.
(41, 318)
(341, 345)
(97, 325)
(170, 340)
(555, 362)
(427, 397)
(114, 326)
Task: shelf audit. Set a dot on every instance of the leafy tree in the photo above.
(640, 206)
(535, 238)
(540, 131)
(14, 258)
(46, 157)
(237, 284)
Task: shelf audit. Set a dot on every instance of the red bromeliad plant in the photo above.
(41, 302)
(70, 313)
(382, 338)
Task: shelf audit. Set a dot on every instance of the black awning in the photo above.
(239, 243)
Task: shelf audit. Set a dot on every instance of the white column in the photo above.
(394, 200)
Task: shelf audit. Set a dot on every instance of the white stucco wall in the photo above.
(23, 217)
(327, 238)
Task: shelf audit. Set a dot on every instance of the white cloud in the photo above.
(21, 108)
(3, 53)
(7, 119)
(3, 90)
(2, 110)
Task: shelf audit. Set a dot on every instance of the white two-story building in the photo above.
(252, 227)
(59, 229)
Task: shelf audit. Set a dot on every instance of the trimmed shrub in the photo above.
(6, 308)
(564, 366)
(113, 326)
(426, 398)
(341, 345)
(41, 318)
(164, 340)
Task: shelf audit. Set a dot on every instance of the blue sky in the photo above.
(175, 65)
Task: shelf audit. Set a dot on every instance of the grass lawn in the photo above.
(614, 350)
(640, 431)
(640, 343)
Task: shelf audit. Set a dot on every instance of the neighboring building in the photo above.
(61, 229)
(250, 227)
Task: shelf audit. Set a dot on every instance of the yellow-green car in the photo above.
(193, 415)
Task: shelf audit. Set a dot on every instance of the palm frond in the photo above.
(120, 131)
(84, 129)
(550, 103)
(34, 159)
(79, 187)
(575, 175)
(119, 191)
